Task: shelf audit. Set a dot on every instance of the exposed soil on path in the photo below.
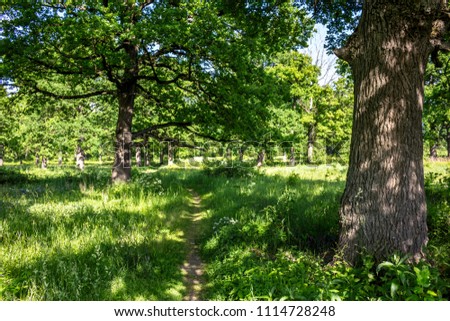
(193, 266)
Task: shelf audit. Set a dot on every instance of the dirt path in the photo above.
(193, 266)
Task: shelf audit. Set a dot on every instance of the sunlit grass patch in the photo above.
(68, 235)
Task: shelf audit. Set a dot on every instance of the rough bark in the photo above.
(383, 209)
(122, 161)
(37, 160)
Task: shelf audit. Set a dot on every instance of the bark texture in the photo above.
(126, 93)
(383, 209)
(122, 161)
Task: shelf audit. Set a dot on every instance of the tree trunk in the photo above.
(292, 157)
(161, 154)
(433, 151)
(122, 161)
(383, 209)
(121, 171)
(260, 159)
(241, 154)
(138, 157)
(311, 139)
(170, 154)
(79, 156)
(44, 162)
(2, 148)
(228, 154)
(448, 142)
(37, 160)
(146, 152)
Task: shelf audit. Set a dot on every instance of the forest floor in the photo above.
(193, 267)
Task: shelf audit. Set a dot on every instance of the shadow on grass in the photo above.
(282, 210)
(61, 247)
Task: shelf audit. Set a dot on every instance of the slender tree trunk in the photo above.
(228, 153)
(433, 151)
(241, 153)
(79, 157)
(260, 159)
(292, 157)
(138, 157)
(448, 142)
(44, 162)
(161, 154)
(2, 148)
(146, 152)
(170, 154)
(311, 140)
(383, 209)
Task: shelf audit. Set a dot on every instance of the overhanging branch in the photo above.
(71, 97)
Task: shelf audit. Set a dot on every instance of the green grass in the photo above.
(266, 235)
(272, 234)
(67, 235)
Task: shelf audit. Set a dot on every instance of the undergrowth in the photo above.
(70, 235)
(268, 234)
(272, 237)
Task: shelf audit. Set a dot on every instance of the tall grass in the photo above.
(267, 234)
(273, 233)
(67, 235)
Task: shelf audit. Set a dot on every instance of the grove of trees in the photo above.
(107, 76)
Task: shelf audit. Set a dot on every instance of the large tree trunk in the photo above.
(122, 161)
(121, 171)
(383, 209)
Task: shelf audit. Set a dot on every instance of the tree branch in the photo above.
(153, 128)
(55, 68)
(70, 97)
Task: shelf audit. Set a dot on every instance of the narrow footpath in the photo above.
(193, 267)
